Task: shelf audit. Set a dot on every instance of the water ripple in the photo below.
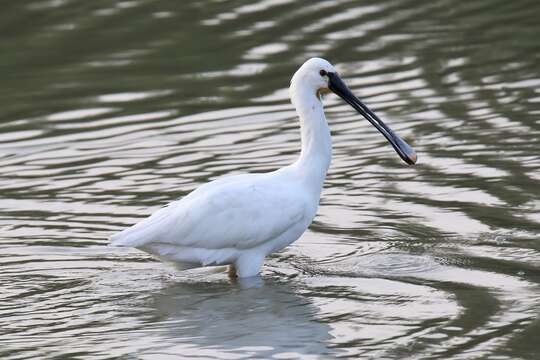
(111, 110)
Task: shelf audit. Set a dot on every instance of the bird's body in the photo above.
(234, 220)
(239, 220)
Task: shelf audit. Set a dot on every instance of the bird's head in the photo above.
(314, 74)
(319, 76)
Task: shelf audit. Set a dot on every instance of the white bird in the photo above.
(239, 220)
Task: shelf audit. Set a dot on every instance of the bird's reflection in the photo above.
(262, 317)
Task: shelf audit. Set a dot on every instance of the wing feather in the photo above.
(232, 214)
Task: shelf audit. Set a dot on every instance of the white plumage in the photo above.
(238, 220)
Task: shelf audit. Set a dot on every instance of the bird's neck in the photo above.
(316, 152)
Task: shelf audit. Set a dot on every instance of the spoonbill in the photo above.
(238, 220)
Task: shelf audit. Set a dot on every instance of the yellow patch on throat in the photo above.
(322, 91)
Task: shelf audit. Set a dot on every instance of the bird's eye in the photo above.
(323, 72)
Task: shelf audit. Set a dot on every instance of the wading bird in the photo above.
(238, 220)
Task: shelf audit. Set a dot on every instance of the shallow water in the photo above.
(111, 109)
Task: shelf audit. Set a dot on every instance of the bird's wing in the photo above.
(234, 214)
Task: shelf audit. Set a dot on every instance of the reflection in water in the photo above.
(112, 109)
(261, 321)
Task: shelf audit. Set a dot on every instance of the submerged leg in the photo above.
(248, 264)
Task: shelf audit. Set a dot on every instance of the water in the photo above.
(112, 109)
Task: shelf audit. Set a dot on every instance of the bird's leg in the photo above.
(232, 271)
(248, 264)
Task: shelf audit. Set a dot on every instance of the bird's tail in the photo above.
(122, 238)
(134, 236)
(145, 231)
